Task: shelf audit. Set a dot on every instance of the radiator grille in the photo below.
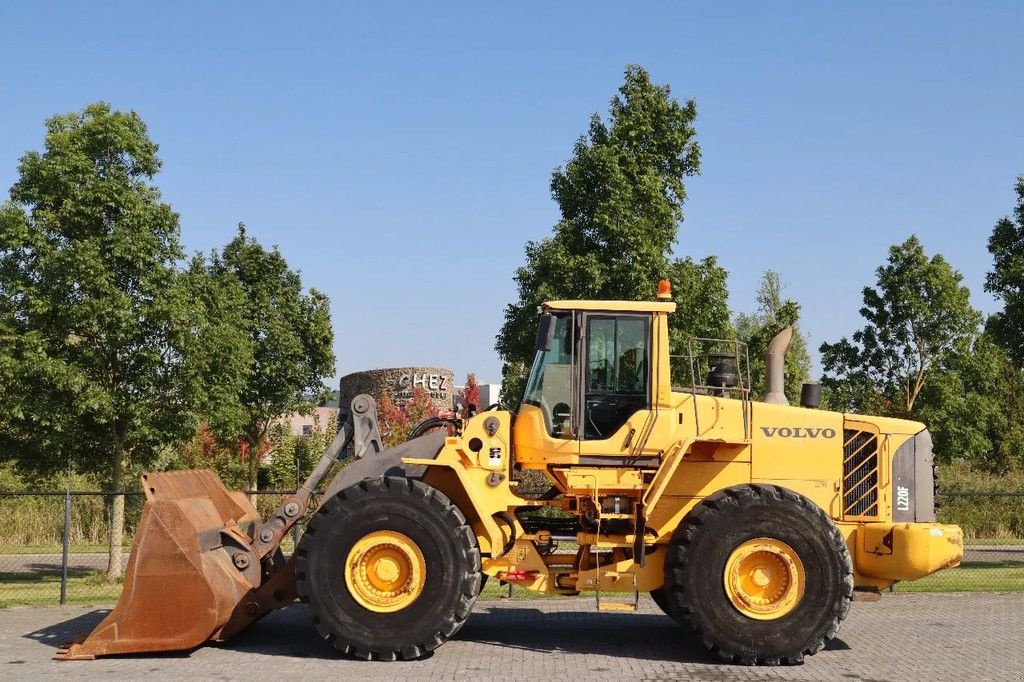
(860, 473)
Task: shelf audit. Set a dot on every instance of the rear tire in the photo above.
(715, 533)
(441, 539)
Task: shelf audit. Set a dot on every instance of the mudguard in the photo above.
(389, 463)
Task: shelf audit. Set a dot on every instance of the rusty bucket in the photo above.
(191, 566)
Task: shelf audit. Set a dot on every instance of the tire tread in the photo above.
(679, 555)
(466, 545)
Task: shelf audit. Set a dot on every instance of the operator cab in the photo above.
(595, 397)
(592, 386)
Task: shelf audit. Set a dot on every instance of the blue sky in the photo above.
(400, 154)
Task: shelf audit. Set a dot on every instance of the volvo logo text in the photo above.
(798, 432)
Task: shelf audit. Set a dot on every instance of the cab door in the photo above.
(615, 414)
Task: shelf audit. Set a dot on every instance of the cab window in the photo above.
(549, 385)
(616, 372)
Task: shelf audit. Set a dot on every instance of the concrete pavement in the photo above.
(903, 637)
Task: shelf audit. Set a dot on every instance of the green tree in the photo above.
(91, 307)
(293, 456)
(974, 406)
(700, 291)
(917, 318)
(1006, 280)
(759, 328)
(218, 358)
(621, 200)
(287, 334)
(205, 451)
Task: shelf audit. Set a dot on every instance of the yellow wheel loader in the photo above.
(752, 523)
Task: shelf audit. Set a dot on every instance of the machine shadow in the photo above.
(63, 633)
(59, 634)
(643, 636)
(651, 637)
(290, 633)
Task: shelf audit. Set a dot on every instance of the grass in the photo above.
(43, 589)
(1012, 542)
(91, 587)
(1002, 576)
(972, 576)
(494, 590)
(999, 519)
(34, 525)
(77, 548)
(287, 546)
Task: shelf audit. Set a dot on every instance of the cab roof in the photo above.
(613, 306)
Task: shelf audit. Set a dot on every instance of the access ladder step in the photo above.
(616, 606)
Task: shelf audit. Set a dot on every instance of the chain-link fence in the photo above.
(994, 548)
(54, 546)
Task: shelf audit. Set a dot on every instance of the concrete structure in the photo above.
(490, 394)
(398, 383)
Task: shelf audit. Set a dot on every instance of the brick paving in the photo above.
(903, 637)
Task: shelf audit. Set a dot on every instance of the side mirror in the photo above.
(545, 332)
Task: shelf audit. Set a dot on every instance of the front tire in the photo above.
(660, 598)
(388, 569)
(761, 573)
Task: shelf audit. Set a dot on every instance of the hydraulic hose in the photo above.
(426, 425)
(511, 531)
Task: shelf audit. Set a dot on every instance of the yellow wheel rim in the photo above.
(764, 579)
(385, 571)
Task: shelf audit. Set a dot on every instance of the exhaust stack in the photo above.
(775, 368)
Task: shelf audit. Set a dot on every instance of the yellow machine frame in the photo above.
(624, 500)
(700, 444)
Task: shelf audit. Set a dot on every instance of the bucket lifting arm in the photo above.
(359, 430)
(195, 574)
